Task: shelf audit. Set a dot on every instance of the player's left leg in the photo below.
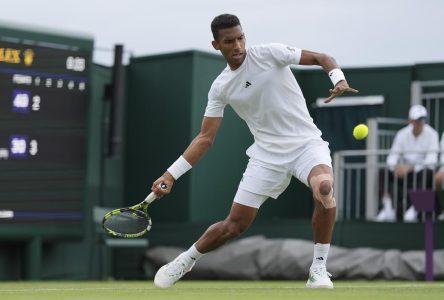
(323, 219)
(237, 221)
(321, 183)
(313, 167)
(259, 182)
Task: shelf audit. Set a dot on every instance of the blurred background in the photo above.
(98, 98)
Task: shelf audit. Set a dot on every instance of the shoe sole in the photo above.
(318, 286)
(163, 284)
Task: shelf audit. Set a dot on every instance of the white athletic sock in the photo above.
(320, 255)
(192, 255)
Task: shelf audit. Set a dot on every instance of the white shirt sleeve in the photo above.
(393, 157)
(281, 54)
(431, 157)
(216, 105)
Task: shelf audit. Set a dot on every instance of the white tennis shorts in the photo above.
(263, 180)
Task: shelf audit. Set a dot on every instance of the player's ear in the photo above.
(215, 45)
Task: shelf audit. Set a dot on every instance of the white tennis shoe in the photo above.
(386, 215)
(170, 273)
(411, 215)
(319, 278)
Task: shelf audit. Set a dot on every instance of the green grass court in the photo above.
(218, 290)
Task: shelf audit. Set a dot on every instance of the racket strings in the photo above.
(128, 222)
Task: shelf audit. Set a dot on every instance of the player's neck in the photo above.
(235, 66)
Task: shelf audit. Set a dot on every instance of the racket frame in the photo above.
(139, 209)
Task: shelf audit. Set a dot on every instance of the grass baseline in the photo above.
(218, 290)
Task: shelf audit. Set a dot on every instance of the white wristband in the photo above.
(336, 75)
(179, 167)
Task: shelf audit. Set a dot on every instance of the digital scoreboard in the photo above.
(44, 102)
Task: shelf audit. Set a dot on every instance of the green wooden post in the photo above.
(33, 258)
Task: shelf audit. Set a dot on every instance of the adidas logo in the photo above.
(320, 258)
(247, 84)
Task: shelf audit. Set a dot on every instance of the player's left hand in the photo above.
(340, 88)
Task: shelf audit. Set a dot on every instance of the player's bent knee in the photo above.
(322, 186)
(325, 187)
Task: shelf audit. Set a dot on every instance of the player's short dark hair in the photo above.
(222, 22)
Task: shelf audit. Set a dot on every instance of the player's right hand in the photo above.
(167, 180)
(340, 88)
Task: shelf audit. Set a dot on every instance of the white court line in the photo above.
(72, 289)
(341, 287)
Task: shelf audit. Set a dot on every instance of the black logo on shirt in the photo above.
(247, 84)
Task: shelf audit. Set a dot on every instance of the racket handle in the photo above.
(151, 197)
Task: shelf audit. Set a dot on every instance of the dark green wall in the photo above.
(426, 72)
(391, 82)
(111, 166)
(214, 180)
(158, 128)
(101, 76)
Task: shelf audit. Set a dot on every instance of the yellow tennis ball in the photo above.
(360, 131)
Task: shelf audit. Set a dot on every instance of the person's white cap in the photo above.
(417, 112)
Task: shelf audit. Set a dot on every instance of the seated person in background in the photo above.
(408, 165)
(439, 177)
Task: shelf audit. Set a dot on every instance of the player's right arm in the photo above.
(202, 142)
(195, 151)
(329, 65)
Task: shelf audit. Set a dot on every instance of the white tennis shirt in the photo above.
(265, 94)
(420, 152)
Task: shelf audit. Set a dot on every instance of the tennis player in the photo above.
(262, 90)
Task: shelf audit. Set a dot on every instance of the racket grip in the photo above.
(151, 197)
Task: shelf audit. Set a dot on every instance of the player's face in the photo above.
(231, 43)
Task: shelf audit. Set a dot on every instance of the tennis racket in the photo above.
(130, 222)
